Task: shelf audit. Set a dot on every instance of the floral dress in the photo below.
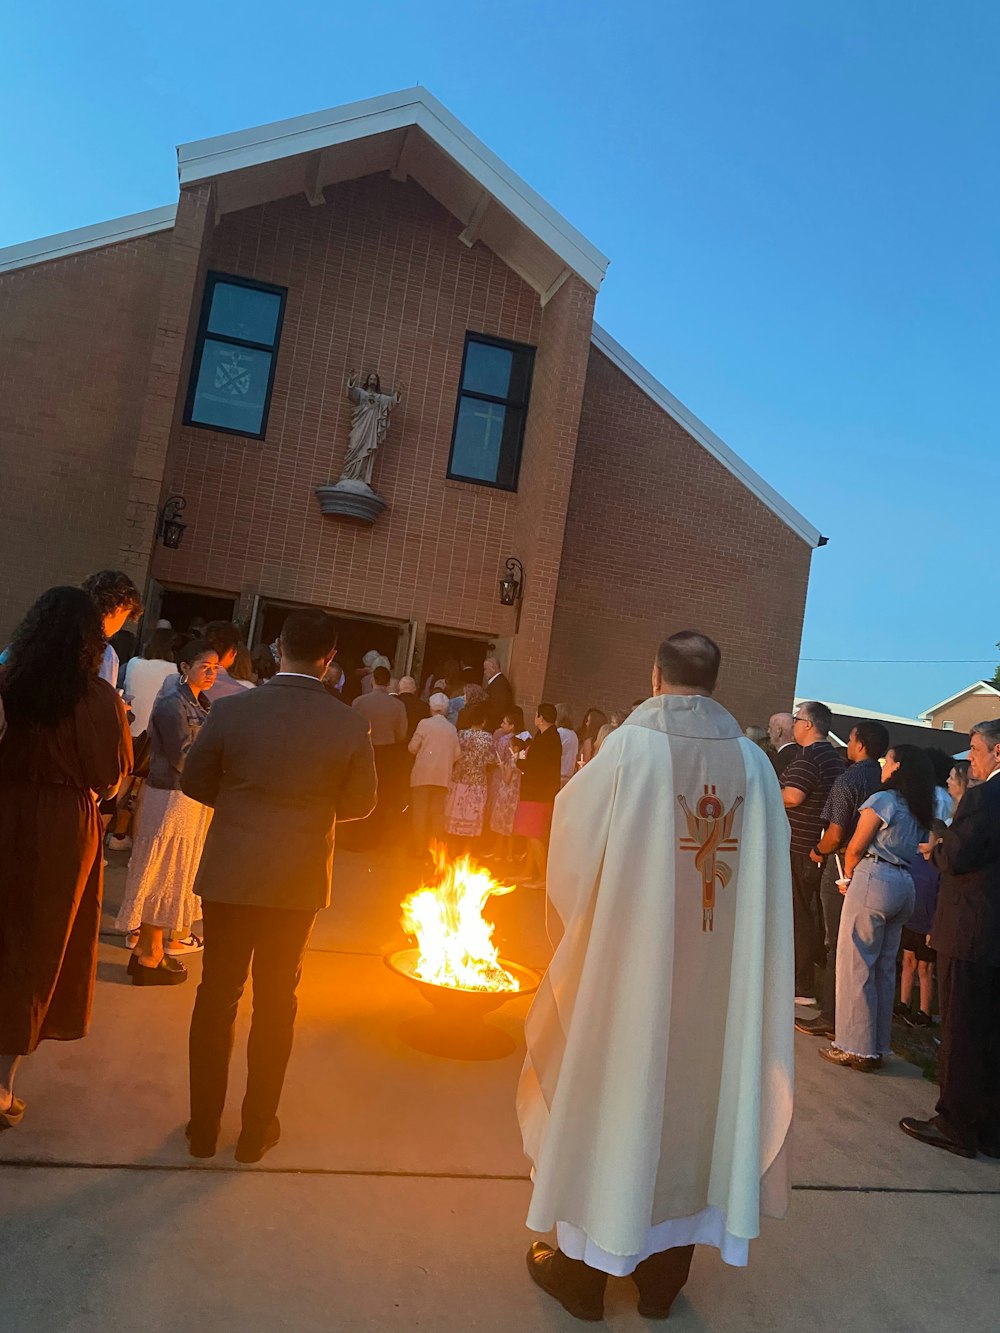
(466, 802)
(506, 794)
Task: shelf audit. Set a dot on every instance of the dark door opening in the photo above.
(442, 647)
(355, 636)
(180, 608)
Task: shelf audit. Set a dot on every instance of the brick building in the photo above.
(202, 350)
(978, 702)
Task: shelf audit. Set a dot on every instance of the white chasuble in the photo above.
(656, 1097)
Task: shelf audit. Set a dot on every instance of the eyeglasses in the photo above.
(799, 719)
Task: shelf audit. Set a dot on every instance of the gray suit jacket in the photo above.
(280, 765)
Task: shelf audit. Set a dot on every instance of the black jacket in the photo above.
(967, 922)
(541, 767)
(280, 765)
(499, 698)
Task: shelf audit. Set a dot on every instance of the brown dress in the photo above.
(51, 875)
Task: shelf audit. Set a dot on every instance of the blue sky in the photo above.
(800, 202)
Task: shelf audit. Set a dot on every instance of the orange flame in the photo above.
(455, 941)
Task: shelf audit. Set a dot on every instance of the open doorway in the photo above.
(180, 608)
(356, 635)
(444, 646)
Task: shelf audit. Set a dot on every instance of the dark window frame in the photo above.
(212, 280)
(521, 405)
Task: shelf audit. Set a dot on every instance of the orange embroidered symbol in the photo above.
(710, 831)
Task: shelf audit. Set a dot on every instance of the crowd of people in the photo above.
(226, 774)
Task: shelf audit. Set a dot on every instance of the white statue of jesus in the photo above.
(369, 423)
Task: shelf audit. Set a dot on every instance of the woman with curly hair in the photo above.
(66, 746)
(879, 900)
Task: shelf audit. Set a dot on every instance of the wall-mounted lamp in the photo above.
(512, 583)
(169, 528)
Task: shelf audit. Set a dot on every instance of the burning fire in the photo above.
(455, 942)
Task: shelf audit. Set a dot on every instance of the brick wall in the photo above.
(376, 278)
(660, 537)
(75, 342)
(965, 713)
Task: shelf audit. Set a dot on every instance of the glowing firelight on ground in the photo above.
(455, 941)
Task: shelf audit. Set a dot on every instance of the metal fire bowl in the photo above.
(456, 1030)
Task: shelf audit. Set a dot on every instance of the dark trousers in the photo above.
(832, 903)
(271, 941)
(969, 1064)
(806, 921)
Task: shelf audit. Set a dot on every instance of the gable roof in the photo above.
(408, 133)
(977, 687)
(75, 242)
(719, 450)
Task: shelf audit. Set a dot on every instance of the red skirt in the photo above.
(533, 819)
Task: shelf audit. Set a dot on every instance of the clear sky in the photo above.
(800, 202)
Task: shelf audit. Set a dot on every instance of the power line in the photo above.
(906, 661)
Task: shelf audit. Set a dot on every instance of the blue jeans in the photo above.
(878, 903)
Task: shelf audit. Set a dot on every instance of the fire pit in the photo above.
(455, 965)
(456, 1028)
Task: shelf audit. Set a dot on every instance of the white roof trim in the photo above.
(849, 710)
(209, 158)
(705, 437)
(87, 238)
(977, 687)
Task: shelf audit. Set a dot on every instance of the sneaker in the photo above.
(816, 1027)
(116, 844)
(863, 1064)
(918, 1020)
(901, 1010)
(131, 939)
(178, 948)
(806, 1000)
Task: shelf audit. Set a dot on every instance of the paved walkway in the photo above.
(396, 1198)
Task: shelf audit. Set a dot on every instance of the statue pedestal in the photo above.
(350, 499)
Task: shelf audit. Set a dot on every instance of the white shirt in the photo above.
(570, 752)
(143, 681)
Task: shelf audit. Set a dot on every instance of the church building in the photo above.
(355, 366)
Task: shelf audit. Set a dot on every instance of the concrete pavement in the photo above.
(397, 1195)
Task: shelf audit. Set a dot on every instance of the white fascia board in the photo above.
(977, 687)
(719, 450)
(209, 158)
(87, 238)
(849, 710)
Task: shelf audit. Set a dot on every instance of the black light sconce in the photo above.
(512, 586)
(169, 528)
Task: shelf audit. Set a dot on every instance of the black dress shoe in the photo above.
(252, 1147)
(928, 1131)
(168, 972)
(660, 1279)
(816, 1027)
(201, 1141)
(578, 1288)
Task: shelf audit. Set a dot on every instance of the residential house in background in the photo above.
(978, 702)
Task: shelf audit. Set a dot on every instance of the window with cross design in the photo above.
(232, 373)
(492, 408)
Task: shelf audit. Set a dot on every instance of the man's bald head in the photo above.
(779, 728)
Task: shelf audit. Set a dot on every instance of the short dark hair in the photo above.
(222, 635)
(308, 636)
(474, 715)
(515, 715)
(160, 645)
(547, 712)
(193, 649)
(110, 590)
(818, 714)
(874, 737)
(381, 675)
(689, 658)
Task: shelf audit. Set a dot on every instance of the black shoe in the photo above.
(578, 1288)
(252, 1147)
(201, 1141)
(928, 1131)
(901, 1010)
(989, 1147)
(918, 1020)
(660, 1279)
(168, 972)
(864, 1064)
(816, 1027)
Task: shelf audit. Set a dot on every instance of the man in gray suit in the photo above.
(280, 765)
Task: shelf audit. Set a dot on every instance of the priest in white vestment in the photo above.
(656, 1097)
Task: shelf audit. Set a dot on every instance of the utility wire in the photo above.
(906, 661)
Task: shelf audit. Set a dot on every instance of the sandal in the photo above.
(168, 972)
(13, 1115)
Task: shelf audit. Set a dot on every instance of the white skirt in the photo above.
(166, 851)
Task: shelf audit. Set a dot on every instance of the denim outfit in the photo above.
(878, 903)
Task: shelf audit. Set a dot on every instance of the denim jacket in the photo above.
(175, 721)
